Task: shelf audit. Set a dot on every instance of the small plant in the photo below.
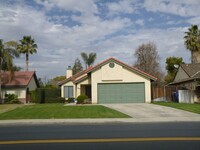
(33, 95)
(70, 100)
(11, 99)
(80, 99)
(55, 100)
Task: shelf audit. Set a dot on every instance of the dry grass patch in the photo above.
(8, 107)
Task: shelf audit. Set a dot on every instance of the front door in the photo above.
(88, 91)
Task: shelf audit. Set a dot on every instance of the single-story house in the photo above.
(188, 79)
(111, 81)
(20, 85)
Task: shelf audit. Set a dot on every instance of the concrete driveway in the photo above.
(148, 112)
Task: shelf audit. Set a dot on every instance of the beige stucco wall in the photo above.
(118, 74)
(180, 75)
(20, 92)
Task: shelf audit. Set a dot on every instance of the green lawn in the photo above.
(195, 108)
(51, 111)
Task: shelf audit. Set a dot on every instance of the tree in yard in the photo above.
(77, 66)
(52, 83)
(147, 60)
(7, 53)
(27, 46)
(172, 64)
(192, 43)
(11, 48)
(88, 59)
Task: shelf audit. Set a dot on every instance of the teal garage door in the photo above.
(121, 93)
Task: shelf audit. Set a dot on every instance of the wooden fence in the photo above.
(165, 92)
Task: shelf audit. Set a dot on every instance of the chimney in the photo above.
(69, 72)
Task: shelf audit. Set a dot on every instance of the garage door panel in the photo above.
(121, 93)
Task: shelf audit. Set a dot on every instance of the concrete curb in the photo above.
(96, 121)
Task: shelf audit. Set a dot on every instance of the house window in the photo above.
(68, 91)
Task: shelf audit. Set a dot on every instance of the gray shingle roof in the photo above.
(193, 70)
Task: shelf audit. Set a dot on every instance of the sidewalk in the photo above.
(97, 121)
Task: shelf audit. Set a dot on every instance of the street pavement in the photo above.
(117, 136)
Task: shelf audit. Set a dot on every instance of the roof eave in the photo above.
(183, 81)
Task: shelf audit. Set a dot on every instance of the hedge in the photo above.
(46, 95)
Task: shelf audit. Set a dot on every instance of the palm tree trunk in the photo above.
(27, 59)
(195, 56)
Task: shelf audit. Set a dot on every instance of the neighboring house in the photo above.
(21, 84)
(111, 81)
(188, 79)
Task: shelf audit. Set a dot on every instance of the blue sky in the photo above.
(63, 29)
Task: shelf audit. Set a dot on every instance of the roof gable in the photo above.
(191, 69)
(84, 73)
(186, 73)
(20, 78)
(133, 69)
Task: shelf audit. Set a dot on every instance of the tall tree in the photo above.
(27, 46)
(88, 59)
(172, 64)
(192, 43)
(11, 48)
(147, 60)
(77, 66)
(6, 58)
(52, 83)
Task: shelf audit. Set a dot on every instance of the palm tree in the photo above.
(27, 46)
(192, 43)
(7, 53)
(88, 59)
(11, 48)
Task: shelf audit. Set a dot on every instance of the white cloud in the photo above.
(194, 20)
(121, 7)
(151, 19)
(176, 7)
(140, 22)
(59, 44)
(86, 6)
(56, 42)
(169, 43)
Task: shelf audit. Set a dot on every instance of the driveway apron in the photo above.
(145, 110)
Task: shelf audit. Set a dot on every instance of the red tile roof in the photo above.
(20, 78)
(91, 69)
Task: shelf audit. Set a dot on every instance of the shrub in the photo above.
(11, 99)
(80, 99)
(70, 100)
(55, 100)
(33, 96)
(46, 95)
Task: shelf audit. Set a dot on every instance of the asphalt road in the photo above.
(174, 135)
